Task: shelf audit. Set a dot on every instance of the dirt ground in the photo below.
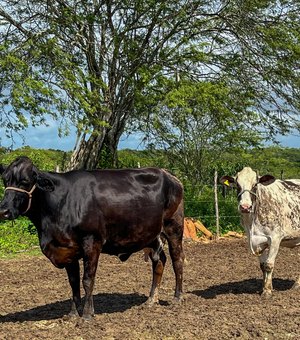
(222, 281)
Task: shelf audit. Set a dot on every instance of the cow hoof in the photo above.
(266, 294)
(72, 315)
(296, 285)
(177, 300)
(151, 302)
(67, 317)
(87, 317)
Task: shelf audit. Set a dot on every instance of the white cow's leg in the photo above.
(262, 260)
(296, 285)
(267, 261)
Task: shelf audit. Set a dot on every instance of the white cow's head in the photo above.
(246, 182)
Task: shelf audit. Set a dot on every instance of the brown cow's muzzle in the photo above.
(10, 207)
(3, 214)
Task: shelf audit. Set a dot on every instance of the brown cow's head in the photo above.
(246, 183)
(20, 179)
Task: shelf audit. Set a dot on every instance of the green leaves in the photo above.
(17, 236)
(107, 66)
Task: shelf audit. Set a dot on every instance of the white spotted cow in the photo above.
(270, 215)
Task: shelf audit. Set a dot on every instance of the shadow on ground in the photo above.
(250, 286)
(103, 303)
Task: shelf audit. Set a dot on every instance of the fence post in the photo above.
(216, 204)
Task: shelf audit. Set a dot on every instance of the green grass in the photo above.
(16, 237)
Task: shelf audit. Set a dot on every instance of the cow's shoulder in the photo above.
(279, 201)
(282, 187)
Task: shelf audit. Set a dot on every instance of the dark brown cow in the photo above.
(80, 214)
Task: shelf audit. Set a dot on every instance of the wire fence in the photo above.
(214, 206)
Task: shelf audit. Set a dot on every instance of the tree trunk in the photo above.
(109, 155)
(100, 150)
(110, 145)
(87, 154)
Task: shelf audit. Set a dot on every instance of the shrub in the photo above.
(17, 236)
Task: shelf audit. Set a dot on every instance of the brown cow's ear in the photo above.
(44, 183)
(266, 179)
(227, 181)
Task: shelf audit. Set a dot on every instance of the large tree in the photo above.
(196, 123)
(105, 64)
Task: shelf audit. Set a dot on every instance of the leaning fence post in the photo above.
(216, 204)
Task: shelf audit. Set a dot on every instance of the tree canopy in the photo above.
(107, 66)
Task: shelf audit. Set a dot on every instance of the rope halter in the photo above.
(29, 193)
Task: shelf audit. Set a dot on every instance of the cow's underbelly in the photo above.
(59, 255)
(291, 242)
(113, 249)
(258, 243)
(128, 239)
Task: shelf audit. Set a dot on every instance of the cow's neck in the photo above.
(36, 212)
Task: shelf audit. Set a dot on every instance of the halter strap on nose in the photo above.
(29, 193)
(246, 190)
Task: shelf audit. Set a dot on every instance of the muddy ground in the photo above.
(221, 283)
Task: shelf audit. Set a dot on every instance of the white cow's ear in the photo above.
(227, 181)
(266, 179)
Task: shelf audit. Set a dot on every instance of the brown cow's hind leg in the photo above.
(90, 262)
(177, 256)
(157, 271)
(173, 230)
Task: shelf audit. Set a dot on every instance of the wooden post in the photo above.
(216, 204)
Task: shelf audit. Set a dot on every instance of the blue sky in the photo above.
(46, 137)
(291, 141)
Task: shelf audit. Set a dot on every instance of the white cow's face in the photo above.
(246, 181)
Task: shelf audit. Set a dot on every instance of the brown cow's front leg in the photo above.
(157, 271)
(92, 251)
(74, 280)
